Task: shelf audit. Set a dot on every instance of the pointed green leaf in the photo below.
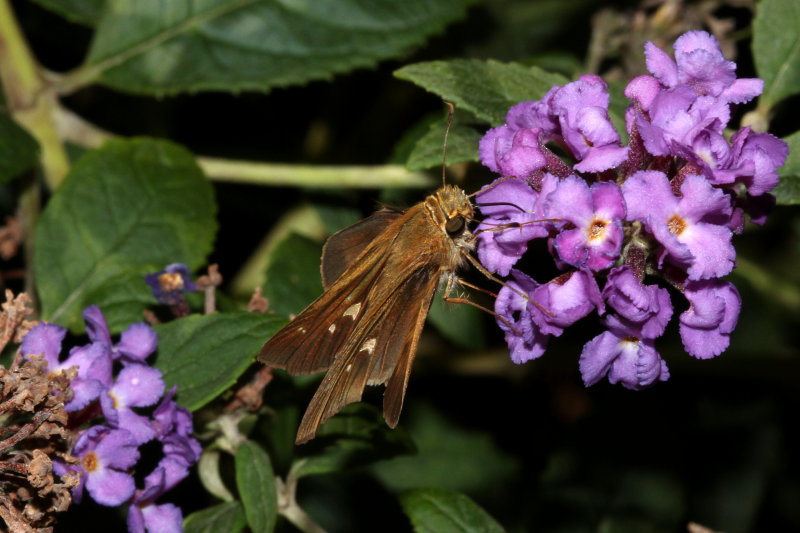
(484, 88)
(788, 190)
(776, 49)
(462, 145)
(293, 278)
(18, 150)
(132, 206)
(204, 354)
(146, 47)
(228, 517)
(256, 482)
(446, 511)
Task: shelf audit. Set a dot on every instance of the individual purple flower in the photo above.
(624, 356)
(564, 300)
(105, 455)
(144, 514)
(136, 343)
(582, 111)
(135, 386)
(691, 228)
(524, 338)
(93, 362)
(647, 306)
(510, 214)
(596, 214)
(753, 161)
(513, 152)
(706, 326)
(700, 65)
(170, 284)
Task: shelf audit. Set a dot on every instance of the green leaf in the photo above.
(205, 354)
(122, 299)
(776, 49)
(788, 189)
(462, 324)
(253, 44)
(86, 12)
(355, 437)
(442, 450)
(484, 88)
(293, 278)
(18, 150)
(132, 206)
(227, 517)
(462, 145)
(256, 482)
(446, 511)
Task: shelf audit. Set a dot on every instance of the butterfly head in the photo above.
(452, 210)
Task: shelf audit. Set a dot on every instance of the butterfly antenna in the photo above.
(451, 109)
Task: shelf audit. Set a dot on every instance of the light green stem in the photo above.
(272, 174)
(31, 101)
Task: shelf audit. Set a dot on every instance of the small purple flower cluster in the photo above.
(113, 380)
(667, 204)
(170, 284)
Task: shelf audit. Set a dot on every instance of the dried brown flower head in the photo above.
(33, 431)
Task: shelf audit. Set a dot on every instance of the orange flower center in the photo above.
(676, 225)
(90, 462)
(170, 282)
(597, 229)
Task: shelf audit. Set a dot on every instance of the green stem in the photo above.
(30, 99)
(367, 177)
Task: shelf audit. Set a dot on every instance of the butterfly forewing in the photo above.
(343, 247)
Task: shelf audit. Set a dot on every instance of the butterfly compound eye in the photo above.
(454, 226)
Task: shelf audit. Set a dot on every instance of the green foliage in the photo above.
(253, 44)
(256, 483)
(788, 190)
(445, 511)
(293, 278)
(446, 457)
(484, 88)
(129, 208)
(356, 437)
(204, 354)
(462, 324)
(86, 12)
(18, 150)
(461, 142)
(227, 517)
(776, 49)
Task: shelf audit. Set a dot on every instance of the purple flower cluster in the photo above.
(665, 205)
(114, 381)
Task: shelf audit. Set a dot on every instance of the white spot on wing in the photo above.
(332, 328)
(301, 329)
(349, 367)
(369, 346)
(353, 310)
